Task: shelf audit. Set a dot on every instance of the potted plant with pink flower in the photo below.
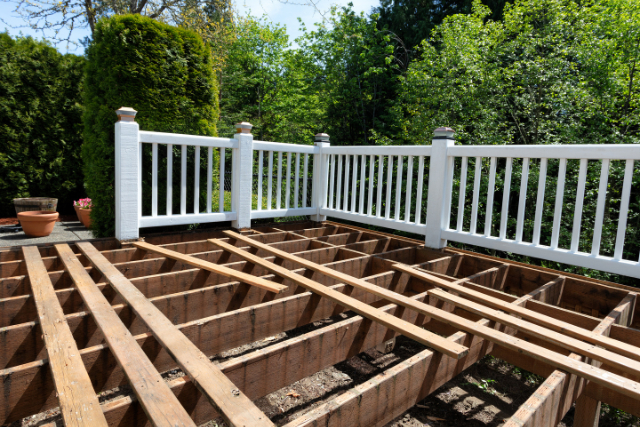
(83, 210)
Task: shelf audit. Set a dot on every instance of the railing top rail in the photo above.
(287, 148)
(393, 150)
(180, 139)
(590, 151)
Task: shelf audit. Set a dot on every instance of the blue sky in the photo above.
(275, 10)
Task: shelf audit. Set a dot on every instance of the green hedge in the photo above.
(40, 123)
(163, 72)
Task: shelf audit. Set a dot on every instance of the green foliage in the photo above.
(553, 72)
(269, 85)
(358, 71)
(40, 123)
(163, 72)
(413, 20)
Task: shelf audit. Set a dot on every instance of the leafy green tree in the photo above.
(412, 21)
(269, 85)
(358, 68)
(40, 123)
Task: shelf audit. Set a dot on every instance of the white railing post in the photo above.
(242, 176)
(439, 188)
(128, 175)
(320, 177)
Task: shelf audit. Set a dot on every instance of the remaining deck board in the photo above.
(159, 403)
(216, 268)
(623, 363)
(79, 404)
(557, 325)
(233, 405)
(407, 329)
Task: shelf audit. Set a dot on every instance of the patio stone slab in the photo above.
(63, 231)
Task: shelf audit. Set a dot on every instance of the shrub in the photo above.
(40, 123)
(163, 72)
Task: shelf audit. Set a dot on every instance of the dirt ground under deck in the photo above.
(486, 394)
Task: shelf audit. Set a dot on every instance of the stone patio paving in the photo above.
(63, 231)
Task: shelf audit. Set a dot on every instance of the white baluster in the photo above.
(270, 182)
(407, 205)
(260, 161)
(505, 199)
(221, 182)
(624, 209)
(602, 197)
(387, 212)
(154, 179)
(304, 180)
(183, 180)
(463, 190)
(169, 179)
(288, 186)
(523, 199)
(297, 183)
(347, 163)
(339, 186)
(370, 198)
(419, 189)
(577, 214)
(380, 185)
(398, 188)
(354, 184)
(332, 180)
(196, 182)
(476, 195)
(540, 201)
(362, 182)
(557, 214)
(209, 176)
(492, 186)
(279, 187)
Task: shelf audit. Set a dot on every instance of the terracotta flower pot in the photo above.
(85, 217)
(37, 223)
(77, 209)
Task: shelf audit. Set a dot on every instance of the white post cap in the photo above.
(321, 137)
(243, 127)
(126, 114)
(443, 133)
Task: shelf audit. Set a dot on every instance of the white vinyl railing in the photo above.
(271, 199)
(198, 214)
(380, 200)
(523, 157)
(466, 194)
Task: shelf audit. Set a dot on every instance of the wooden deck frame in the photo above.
(217, 313)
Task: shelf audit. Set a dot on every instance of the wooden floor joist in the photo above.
(232, 404)
(568, 329)
(79, 404)
(180, 309)
(425, 337)
(205, 265)
(546, 407)
(160, 404)
(604, 378)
